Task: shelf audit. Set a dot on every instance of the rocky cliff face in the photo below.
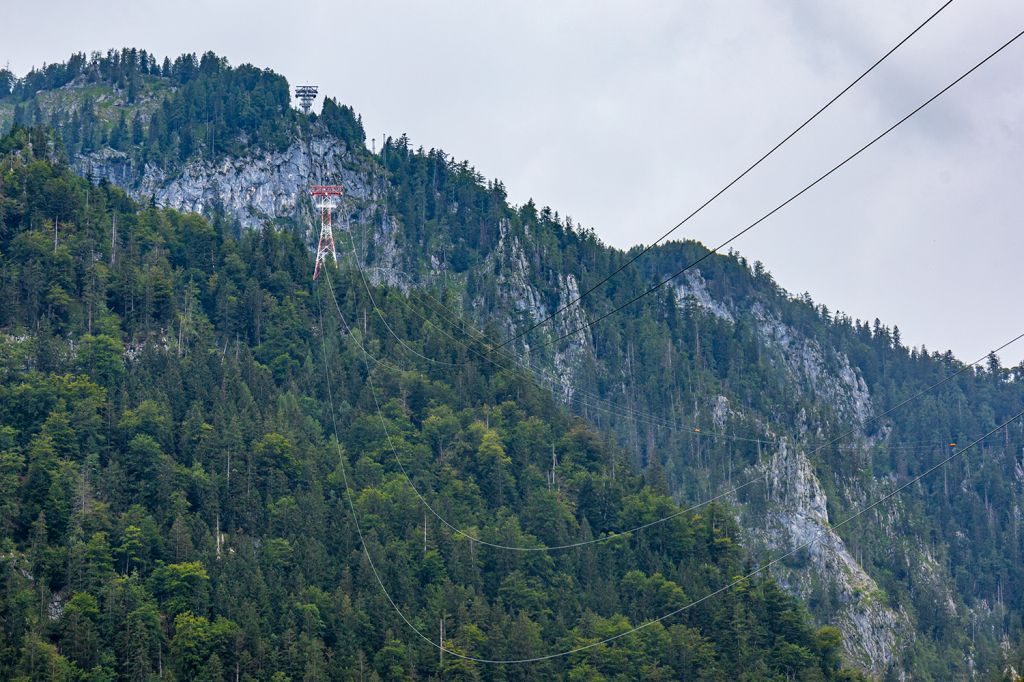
(797, 510)
(253, 191)
(526, 304)
(798, 515)
(269, 186)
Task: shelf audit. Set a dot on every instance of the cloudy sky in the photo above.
(627, 116)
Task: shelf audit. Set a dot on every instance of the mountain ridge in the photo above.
(786, 366)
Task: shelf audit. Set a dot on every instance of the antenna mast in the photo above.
(325, 197)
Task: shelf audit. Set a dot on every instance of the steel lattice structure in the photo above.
(325, 197)
(306, 95)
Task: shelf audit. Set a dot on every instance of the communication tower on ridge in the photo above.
(325, 197)
(306, 95)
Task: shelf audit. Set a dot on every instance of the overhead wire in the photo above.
(785, 203)
(880, 136)
(724, 189)
(663, 617)
(607, 640)
(367, 356)
(544, 381)
(661, 422)
(728, 586)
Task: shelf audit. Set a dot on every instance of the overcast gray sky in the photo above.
(627, 116)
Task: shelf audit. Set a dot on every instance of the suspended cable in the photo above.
(728, 586)
(785, 203)
(376, 309)
(542, 378)
(608, 536)
(637, 628)
(653, 288)
(866, 146)
(732, 182)
(459, 531)
(662, 422)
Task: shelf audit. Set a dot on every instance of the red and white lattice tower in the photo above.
(325, 197)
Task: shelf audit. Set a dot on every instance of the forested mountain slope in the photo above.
(174, 492)
(931, 584)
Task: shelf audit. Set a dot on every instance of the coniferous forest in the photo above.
(174, 491)
(210, 465)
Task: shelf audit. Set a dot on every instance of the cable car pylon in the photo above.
(326, 198)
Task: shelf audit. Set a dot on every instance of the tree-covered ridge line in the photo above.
(163, 113)
(172, 506)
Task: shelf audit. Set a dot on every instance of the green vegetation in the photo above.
(173, 498)
(164, 114)
(671, 355)
(947, 553)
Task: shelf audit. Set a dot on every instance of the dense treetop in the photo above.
(165, 113)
